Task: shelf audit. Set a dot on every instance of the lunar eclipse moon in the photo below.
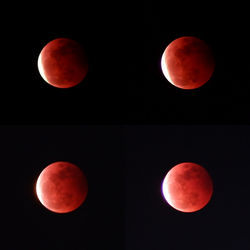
(188, 62)
(61, 187)
(187, 187)
(63, 63)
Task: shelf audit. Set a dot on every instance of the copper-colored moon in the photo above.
(187, 187)
(188, 62)
(61, 187)
(63, 63)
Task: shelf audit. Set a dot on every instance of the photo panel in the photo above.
(224, 97)
(161, 216)
(124, 44)
(44, 215)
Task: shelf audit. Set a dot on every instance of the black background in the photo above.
(124, 42)
(225, 97)
(151, 152)
(125, 167)
(98, 223)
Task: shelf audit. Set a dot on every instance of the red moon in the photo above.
(187, 187)
(63, 63)
(61, 187)
(187, 62)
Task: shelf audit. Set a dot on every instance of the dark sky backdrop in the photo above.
(98, 223)
(124, 42)
(151, 152)
(225, 98)
(125, 166)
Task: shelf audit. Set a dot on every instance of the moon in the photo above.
(188, 62)
(63, 63)
(61, 187)
(187, 187)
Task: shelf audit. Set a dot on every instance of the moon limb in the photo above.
(165, 69)
(41, 69)
(38, 190)
(165, 192)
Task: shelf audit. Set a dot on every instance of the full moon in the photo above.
(61, 187)
(187, 187)
(187, 62)
(63, 63)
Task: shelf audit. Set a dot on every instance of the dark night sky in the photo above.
(26, 151)
(125, 166)
(225, 98)
(151, 152)
(124, 43)
(126, 161)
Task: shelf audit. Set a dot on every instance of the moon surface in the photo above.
(61, 187)
(63, 63)
(188, 62)
(187, 187)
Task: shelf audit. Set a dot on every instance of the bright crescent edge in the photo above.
(40, 68)
(165, 192)
(164, 68)
(38, 190)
